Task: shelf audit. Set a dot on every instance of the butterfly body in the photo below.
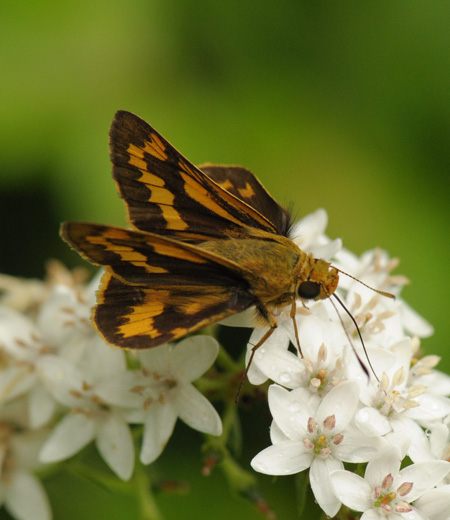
(205, 243)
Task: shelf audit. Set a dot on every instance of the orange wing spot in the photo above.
(226, 185)
(140, 327)
(173, 219)
(192, 308)
(176, 252)
(146, 176)
(141, 318)
(150, 179)
(156, 147)
(137, 161)
(128, 254)
(161, 196)
(178, 332)
(202, 196)
(246, 192)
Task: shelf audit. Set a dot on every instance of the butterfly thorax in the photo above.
(275, 269)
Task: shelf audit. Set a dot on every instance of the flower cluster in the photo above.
(327, 410)
(62, 387)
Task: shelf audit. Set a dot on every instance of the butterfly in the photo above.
(205, 243)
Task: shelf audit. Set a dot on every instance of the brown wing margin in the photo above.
(137, 317)
(165, 193)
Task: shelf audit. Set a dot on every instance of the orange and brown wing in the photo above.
(166, 194)
(243, 184)
(141, 258)
(156, 289)
(139, 317)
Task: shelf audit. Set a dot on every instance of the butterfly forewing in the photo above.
(140, 258)
(165, 193)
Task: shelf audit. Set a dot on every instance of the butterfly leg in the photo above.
(294, 321)
(268, 316)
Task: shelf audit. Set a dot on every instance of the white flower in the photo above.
(435, 503)
(392, 404)
(161, 391)
(90, 418)
(309, 432)
(435, 445)
(308, 234)
(21, 492)
(22, 347)
(386, 492)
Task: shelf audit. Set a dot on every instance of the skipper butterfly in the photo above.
(205, 243)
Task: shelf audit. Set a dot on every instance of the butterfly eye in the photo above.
(309, 290)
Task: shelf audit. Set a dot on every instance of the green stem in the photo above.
(147, 504)
(225, 361)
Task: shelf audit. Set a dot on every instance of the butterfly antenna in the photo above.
(383, 293)
(363, 366)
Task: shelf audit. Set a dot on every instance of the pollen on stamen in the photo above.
(403, 507)
(384, 383)
(387, 481)
(405, 488)
(399, 377)
(308, 444)
(338, 438)
(322, 354)
(322, 373)
(410, 403)
(312, 425)
(416, 390)
(329, 422)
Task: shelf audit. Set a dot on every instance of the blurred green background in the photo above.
(342, 105)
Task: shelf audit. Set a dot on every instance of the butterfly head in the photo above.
(319, 282)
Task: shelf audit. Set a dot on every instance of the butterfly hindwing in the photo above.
(136, 317)
(243, 184)
(165, 193)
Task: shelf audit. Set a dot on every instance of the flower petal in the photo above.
(356, 446)
(425, 476)
(15, 381)
(196, 411)
(351, 489)
(62, 379)
(388, 462)
(115, 444)
(435, 503)
(159, 425)
(41, 406)
(372, 422)
(414, 323)
(70, 435)
(291, 410)
(341, 402)
(119, 390)
(192, 357)
(276, 343)
(319, 476)
(280, 365)
(26, 498)
(285, 458)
